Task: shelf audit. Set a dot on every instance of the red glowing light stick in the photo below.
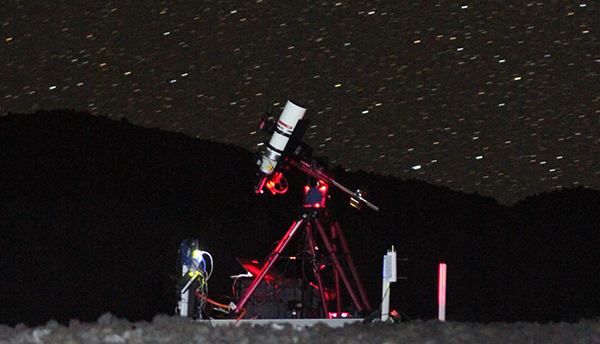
(442, 292)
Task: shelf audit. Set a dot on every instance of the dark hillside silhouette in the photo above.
(92, 212)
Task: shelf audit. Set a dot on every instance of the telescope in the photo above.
(286, 148)
(292, 113)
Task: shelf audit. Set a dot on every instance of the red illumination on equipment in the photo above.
(254, 267)
(314, 196)
(262, 183)
(329, 294)
(336, 315)
(277, 184)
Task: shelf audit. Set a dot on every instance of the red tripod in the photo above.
(315, 203)
(310, 220)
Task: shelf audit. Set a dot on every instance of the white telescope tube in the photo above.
(290, 116)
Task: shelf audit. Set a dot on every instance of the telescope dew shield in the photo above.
(290, 116)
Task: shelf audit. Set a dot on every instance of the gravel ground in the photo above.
(172, 329)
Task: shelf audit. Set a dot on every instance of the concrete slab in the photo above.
(339, 322)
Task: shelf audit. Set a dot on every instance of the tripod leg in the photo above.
(338, 266)
(351, 265)
(268, 264)
(316, 268)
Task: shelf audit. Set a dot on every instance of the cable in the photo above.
(224, 306)
(380, 309)
(212, 302)
(211, 264)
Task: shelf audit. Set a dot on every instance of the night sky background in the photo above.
(490, 97)
(474, 125)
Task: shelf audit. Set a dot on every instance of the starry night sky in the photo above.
(478, 96)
